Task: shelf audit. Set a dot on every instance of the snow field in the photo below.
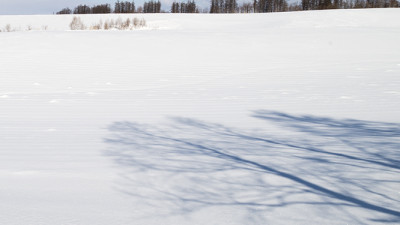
(197, 119)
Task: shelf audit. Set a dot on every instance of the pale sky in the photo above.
(28, 7)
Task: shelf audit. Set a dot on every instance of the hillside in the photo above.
(279, 118)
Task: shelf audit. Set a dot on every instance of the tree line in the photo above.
(124, 7)
(152, 7)
(231, 6)
(349, 4)
(184, 7)
(223, 6)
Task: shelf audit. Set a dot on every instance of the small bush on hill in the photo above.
(77, 24)
(119, 24)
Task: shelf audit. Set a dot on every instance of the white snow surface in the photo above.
(280, 118)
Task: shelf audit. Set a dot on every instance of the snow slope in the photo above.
(202, 119)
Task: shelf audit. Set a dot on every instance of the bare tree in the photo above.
(64, 11)
(246, 7)
(104, 8)
(124, 7)
(82, 9)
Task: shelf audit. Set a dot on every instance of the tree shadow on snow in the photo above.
(347, 167)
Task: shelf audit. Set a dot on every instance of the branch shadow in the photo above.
(348, 167)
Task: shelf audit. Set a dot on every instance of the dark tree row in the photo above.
(82, 9)
(223, 6)
(85, 9)
(340, 4)
(270, 5)
(182, 7)
(231, 6)
(321, 4)
(104, 8)
(65, 11)
(124, 7)
(120, 7)
(349, 4)
(152, 7)
(261, 6)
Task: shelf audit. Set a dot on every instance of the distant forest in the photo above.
(231, 6)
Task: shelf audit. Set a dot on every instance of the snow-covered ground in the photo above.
(281, 118)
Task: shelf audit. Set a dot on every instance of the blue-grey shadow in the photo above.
(188, 164)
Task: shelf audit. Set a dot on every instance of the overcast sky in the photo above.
(27, 7)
